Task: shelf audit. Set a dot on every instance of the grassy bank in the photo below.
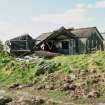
(75, 76)
(12, 71)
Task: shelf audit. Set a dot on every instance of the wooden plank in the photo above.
(21, 50)
(18, 40)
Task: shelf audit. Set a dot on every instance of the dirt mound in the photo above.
(77, 85)
(35, 100)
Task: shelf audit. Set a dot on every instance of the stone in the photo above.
(66, 86)
(4, 100)
(72, 87)
(14, 86)
(93, 94)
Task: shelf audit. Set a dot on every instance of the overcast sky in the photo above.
(37, 16)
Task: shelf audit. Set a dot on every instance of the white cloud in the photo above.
(9, 30)
(83, 5)
(100, 4)
(79, 16)
(76, 15)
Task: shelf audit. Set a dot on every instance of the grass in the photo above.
(82, 62)
(62, 96)
(58, 95)
(38, 71)
(12, 71)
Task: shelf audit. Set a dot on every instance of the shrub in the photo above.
(1, 46)
(47, 67)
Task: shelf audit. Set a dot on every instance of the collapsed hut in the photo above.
(71, 41)
(20, 45)
(62, 41)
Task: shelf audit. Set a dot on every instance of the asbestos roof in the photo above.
(103, 34)
(80, 33)
(84, 32)
(21, 37)
(43, 36)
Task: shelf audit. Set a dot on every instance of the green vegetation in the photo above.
(1, 46)
(82, 62)
(76, 76)
(58, 95)
(12, 71)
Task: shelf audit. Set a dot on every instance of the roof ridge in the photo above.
(84, 28)
(46, 32)
(102, 32)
